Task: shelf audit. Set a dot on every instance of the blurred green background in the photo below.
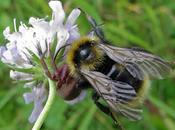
(149, 24)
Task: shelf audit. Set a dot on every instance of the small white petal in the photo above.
(40, 93)
(39, 23)
(33, 21)
(58, 12)
(36, 112)
(20, 75)
(39, 98)
(12, 37)
(55, 5)
(2, 50)
(77, 99)
(74, 35)
(29, 97)
(6, 32)
(7, 57)
(16, 57)
(29, 84)
(11, 55)
(22, 28)
(72, 18)
(62, 36)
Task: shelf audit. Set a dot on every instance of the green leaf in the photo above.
(128, 36)
(162, 106)
(11, 93)
(88, 116)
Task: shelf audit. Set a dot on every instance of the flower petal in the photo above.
(20, 75)
(72, 18)
(7, 58)
(62, 36)
(11, 36)
(40, 92)
(58, 12)
(36, 112)
(29, 97)
(2, 50)
(29, 84)
(39, 97)
(6, 32)
(74, 35)
(39, 23)
(16, 57)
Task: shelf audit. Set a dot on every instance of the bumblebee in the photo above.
(120, 76)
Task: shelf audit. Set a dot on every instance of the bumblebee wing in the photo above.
(139, 63)
(117, 94)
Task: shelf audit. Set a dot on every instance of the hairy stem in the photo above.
(44, 113)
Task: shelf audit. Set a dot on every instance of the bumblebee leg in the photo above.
(106, 110)
(103, 108)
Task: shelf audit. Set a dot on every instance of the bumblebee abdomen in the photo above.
(117, 72)
(141, 86)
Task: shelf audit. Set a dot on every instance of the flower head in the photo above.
(30, 48)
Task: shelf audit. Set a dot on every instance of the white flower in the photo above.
(29, 44)
(39, 35)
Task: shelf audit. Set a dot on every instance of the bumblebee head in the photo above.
(84, 54)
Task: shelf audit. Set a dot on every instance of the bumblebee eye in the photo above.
(85, 54)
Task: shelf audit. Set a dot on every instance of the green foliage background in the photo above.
(149, 24)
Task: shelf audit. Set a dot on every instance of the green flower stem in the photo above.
(44, 113)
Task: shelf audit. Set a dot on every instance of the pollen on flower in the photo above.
(30, 46)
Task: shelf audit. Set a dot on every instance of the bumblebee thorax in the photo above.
(84, 53)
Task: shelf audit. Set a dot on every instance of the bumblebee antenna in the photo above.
(96, 27)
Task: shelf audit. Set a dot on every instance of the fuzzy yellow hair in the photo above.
(141, 94)
(84, 65)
